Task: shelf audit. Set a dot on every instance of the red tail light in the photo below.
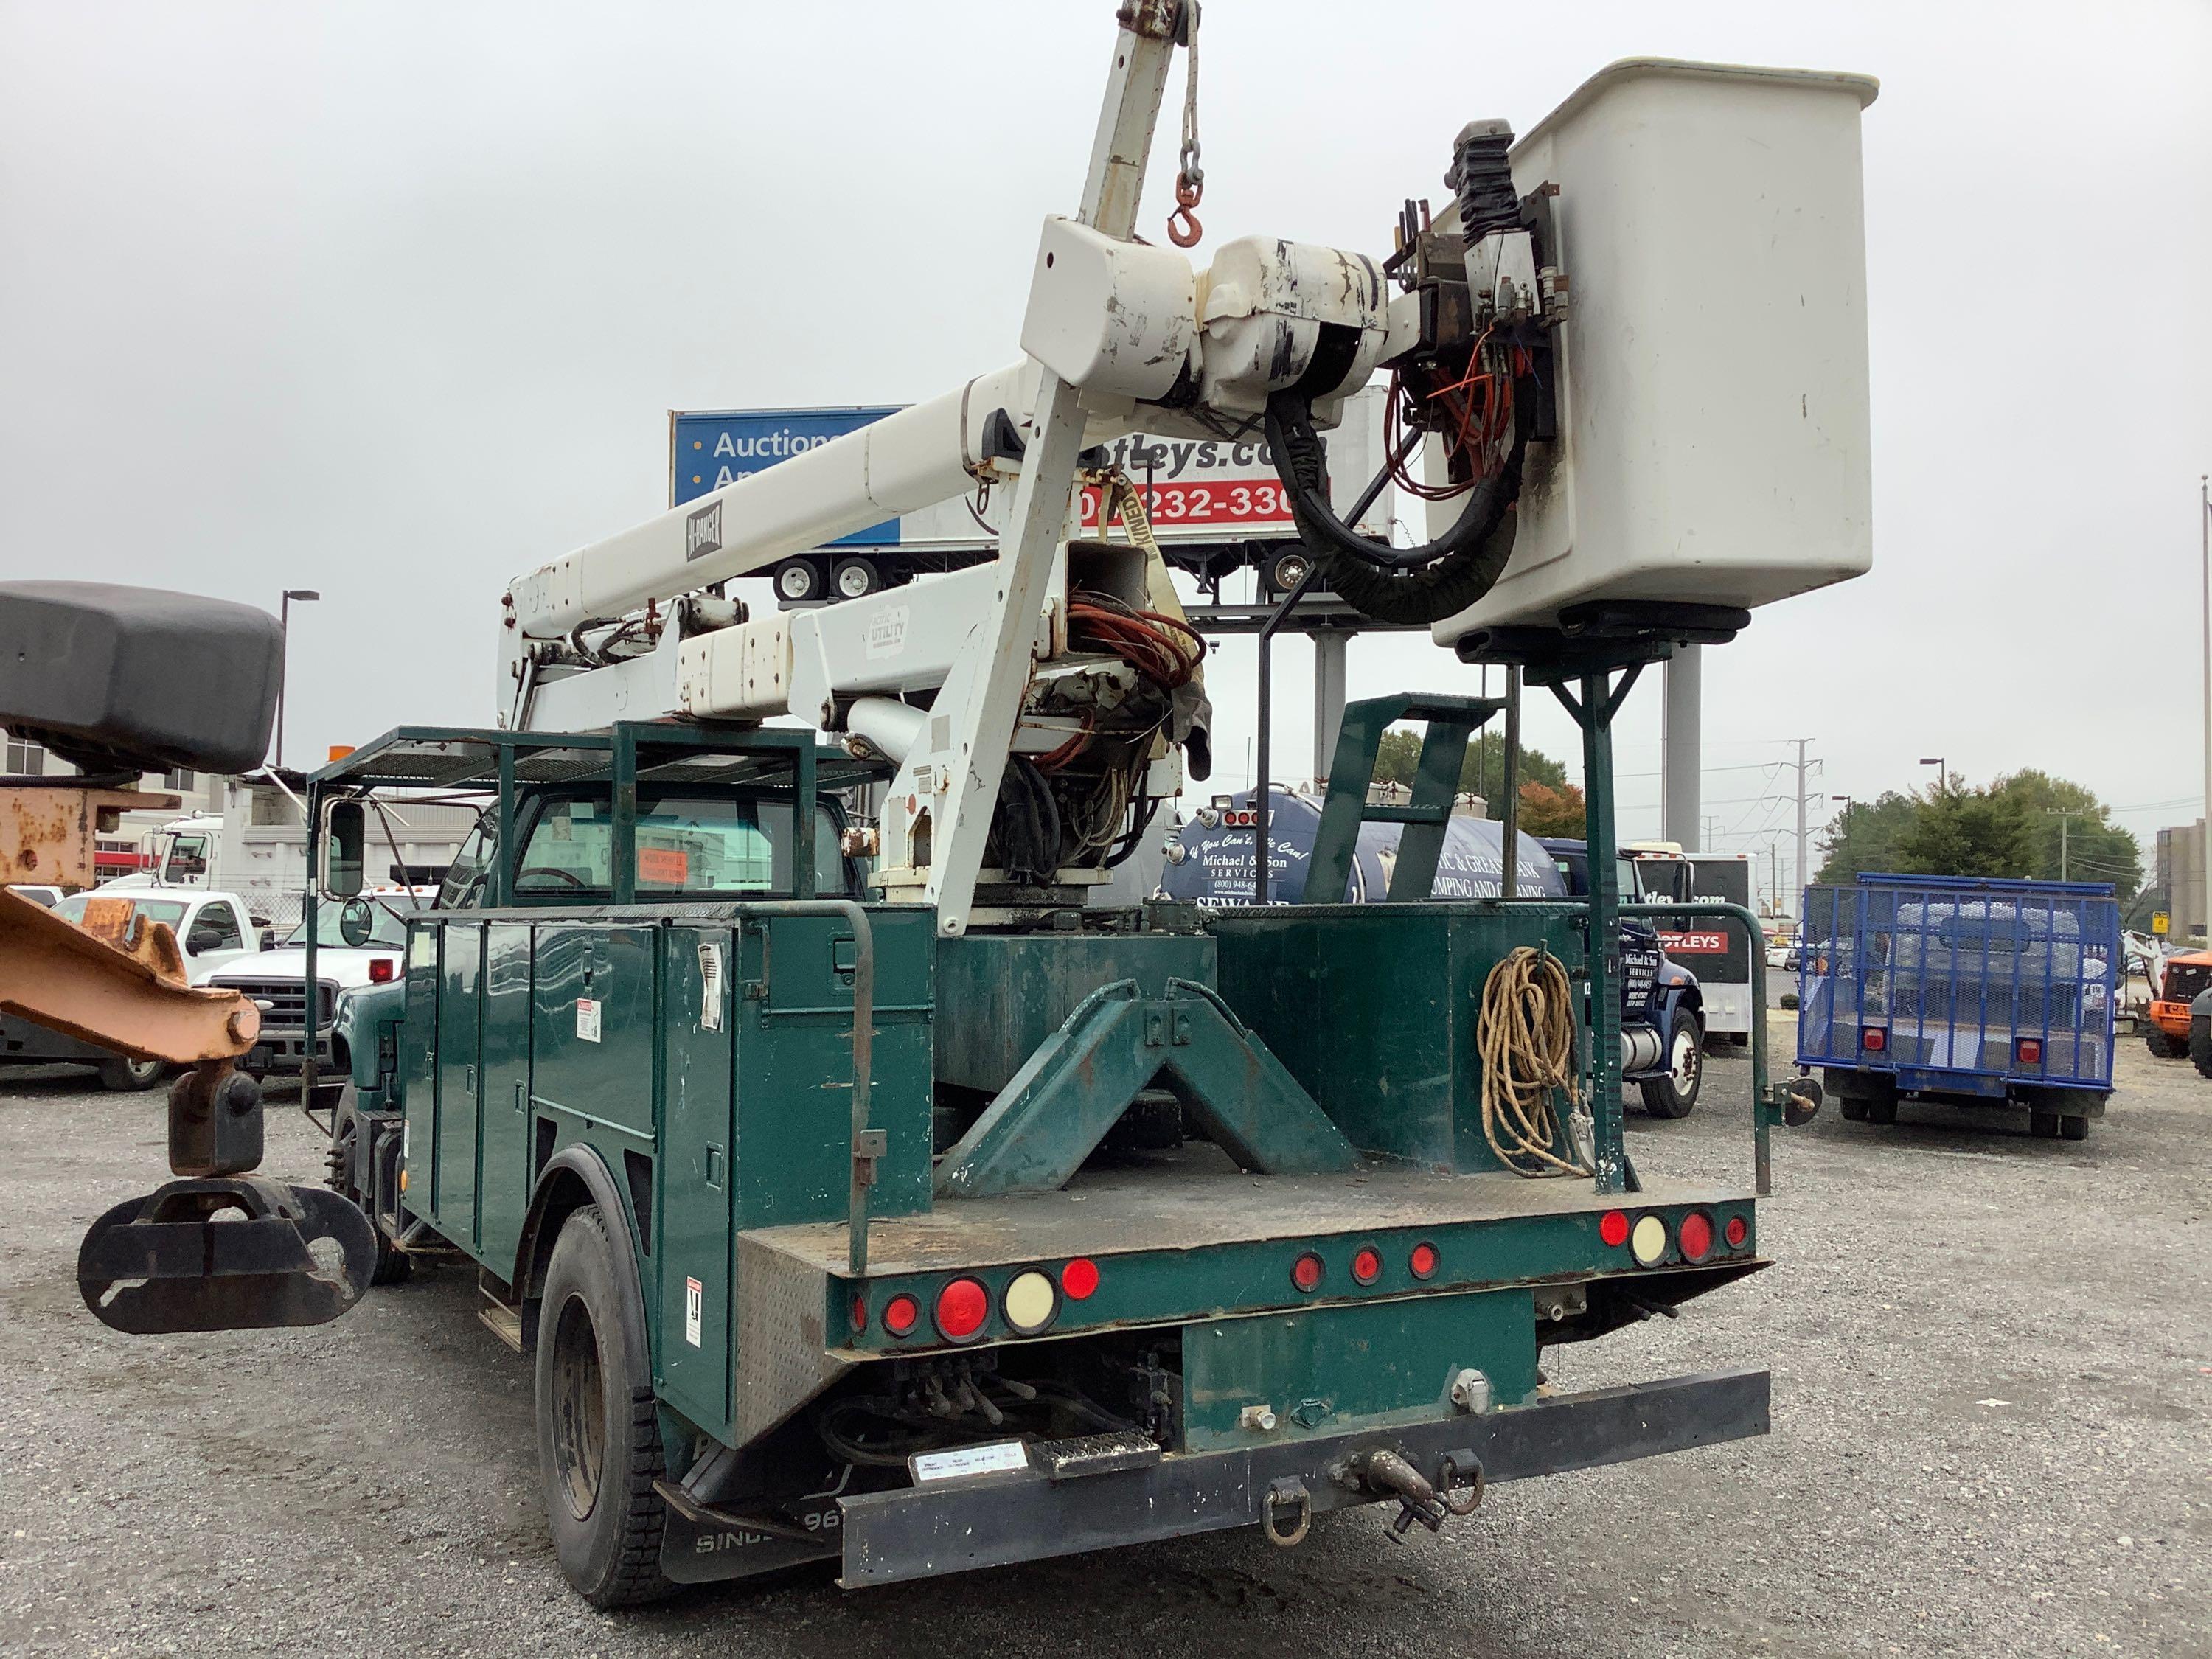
(1737, 1231)
(1695, 1235)
(1423, 1262)
(2030, 1050)
(1305, 1272)
(900, 1314)
(382, 971)
(962, 1308)
(1874, 1039)
(1367, 1264)
(1612, 1228)
(859, 1312)
(1079, 1278)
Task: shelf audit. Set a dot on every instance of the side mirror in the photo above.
(357, 922)
(345, 842)
(203, 937)
(268, 939)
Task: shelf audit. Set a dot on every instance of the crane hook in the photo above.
(1183, 227)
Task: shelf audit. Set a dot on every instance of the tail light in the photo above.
(901, 1313)
(1367, 1264)
(2029, 1050)
(1423, 1262)
(1305, 1272)
(1873, 1039)
(1030, 1302)
(1612, 1228)
(1696, 1237)
(859, 1312)
(1737, 1231)
(962, 1308)
(1647, 1240)
(1079, 1278)
(382, 971)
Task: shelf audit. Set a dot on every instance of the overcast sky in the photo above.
(391, 300)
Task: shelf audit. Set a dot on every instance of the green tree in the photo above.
(1967, 832)
(1865, 837)
(1483, 772)
(2094, 847)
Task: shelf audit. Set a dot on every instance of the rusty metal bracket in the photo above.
(121, 990)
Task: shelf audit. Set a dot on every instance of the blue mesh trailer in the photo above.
(1965, 992)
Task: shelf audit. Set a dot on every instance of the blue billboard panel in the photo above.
(710, 448)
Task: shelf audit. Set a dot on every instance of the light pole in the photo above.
(2204, 886)
(1942, 771)
(284, 660)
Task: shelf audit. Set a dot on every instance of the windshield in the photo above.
(2184, 980)
(170, 911)
(387, 929)
(686, 843)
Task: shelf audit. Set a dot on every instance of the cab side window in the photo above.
(216, 928)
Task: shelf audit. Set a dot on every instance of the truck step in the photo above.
(503, 1323)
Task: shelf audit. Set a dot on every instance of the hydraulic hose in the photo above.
(1527, 1042)
(1421, 584)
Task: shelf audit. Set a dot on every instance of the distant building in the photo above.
(2181, 874)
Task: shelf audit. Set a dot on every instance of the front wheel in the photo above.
(598, 1426)
(1675, 1094)
(2162, 1045)
(127, 1076)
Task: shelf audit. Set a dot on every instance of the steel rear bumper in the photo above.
(991, 1521)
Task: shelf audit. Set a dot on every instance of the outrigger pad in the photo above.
(175, 1261)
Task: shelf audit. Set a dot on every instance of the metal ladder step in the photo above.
(503, 1323)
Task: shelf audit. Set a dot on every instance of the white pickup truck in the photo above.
(214, 930)
(276, 981)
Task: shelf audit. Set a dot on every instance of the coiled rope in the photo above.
(1527, 1042)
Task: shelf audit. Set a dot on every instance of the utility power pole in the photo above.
(1801, 762)
(2063, 813)
(2204, 526)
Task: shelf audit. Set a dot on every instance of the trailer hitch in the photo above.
(1457, 1489)
(223, 1249)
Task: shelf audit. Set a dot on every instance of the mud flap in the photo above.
(230, 1253)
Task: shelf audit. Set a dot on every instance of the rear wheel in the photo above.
(126, 1076)
(2200, 1046)
(1675, 1094)
(2074, 1126)
(2162, 1045)
(1883, 1110)
(2043, 1125)
(599, 1427)
(1853, 1107)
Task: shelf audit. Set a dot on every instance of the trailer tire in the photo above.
(2043, 1126)
(124, 1075)
(599, 1423)
(2200, 1046)
(1674, 1092)
(1853, 1107)
(1882, 1109)
(2074, 1126)
(2162, 1045)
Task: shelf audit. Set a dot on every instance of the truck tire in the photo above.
(598, 1424)
(1674, 1094)
(126, 1076)
(2074, 1126)
(348, 1159)
(2162, 1045)
(2043, 1126)
(1853, 1107)
(2200, 1046)
(1882, 1109)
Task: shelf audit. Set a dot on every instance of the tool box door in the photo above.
(460, 979)
(503, 1096)
(696, 1212)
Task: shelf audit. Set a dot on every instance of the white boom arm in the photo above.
(1112, 327)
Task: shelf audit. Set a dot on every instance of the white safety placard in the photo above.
(587, 1019)
(694, 1298)
(1000, 1457)
(710, 986)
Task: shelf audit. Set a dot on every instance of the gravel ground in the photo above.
(1993, 1435)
